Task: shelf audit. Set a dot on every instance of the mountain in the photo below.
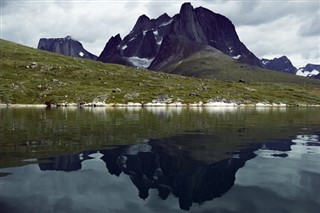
(65, 46)
(160, 43)
(142, 44)
(310, 70)
(282, 64)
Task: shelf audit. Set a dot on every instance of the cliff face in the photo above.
(111, 53)
(167, 39)
(65, 46)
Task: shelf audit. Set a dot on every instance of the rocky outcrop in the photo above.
(166, 40)
(65, 46)
(282, 64)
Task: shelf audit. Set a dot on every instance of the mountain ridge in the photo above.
(282, 64)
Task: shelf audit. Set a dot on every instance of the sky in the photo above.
(269, 28)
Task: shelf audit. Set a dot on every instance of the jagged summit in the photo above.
(186, 8)
(142, 23)
(186, 32)
(111, 53)
(65, 46)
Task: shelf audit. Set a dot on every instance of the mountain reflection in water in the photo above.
(156, 165)
(160, 160)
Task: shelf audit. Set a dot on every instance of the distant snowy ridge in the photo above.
(304, 73)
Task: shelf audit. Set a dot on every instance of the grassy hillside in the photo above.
(29, 76)
(211, 63)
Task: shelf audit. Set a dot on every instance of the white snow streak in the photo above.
(236, 57)
(166, 23)
(140, 62)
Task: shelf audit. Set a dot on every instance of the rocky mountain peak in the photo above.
(311, 67)
(282, 64)
(198, 25)
(142, 23)
(111, 53)
(114, 42)
(65, 46)
(186, 24)
(186, 9)
(163, 18)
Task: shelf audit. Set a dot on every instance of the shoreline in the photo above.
(154, 105)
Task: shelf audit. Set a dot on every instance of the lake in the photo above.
(160, 160)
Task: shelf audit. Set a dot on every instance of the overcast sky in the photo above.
(269, 28)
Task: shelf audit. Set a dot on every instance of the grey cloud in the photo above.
(311, 27)
(131, 4)
(93, 23)
(3, 4)
(261, 12)
(155, 9)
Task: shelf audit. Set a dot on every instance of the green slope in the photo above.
(211, 63)
(59, 78)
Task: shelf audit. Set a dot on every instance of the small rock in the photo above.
(163, 99)
(116, 90)
(34, 65)
(131, 96)
(194, 94)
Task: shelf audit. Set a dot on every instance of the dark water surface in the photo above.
(160, 160)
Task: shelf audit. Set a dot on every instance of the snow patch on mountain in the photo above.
(237, 57)
(145, 32)
(132, 39)
(140, 62)
(265, 62)
(166, 23)
(304, 73)
(124, 47)
(160, 42)
(81, 54)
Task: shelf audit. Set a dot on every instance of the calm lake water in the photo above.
(160, 160)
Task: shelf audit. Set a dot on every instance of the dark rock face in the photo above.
(143, 42)
(173, 50)
(204, 26)
(111, 53)
(282, 64)
(311, 67)
(65, 46)
(166, 40)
